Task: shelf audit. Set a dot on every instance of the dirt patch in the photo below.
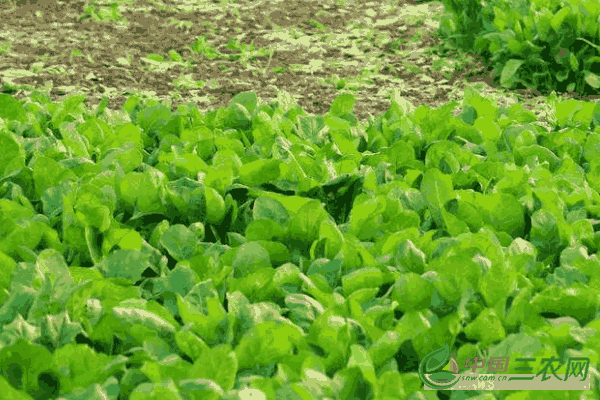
(315, 50)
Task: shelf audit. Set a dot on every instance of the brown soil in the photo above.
(61, 46)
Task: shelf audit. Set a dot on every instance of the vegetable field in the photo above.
(225, 241)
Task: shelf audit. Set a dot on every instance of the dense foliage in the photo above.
(257, 252)
(541, 45)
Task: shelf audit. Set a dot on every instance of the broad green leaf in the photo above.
(522, 345)
(12, 109)
(187, 165)
(52, 274)
(522, 254)
(458, 272)
(191, 344)
(266, 343)
(565, 276)
(259, 172)
(109, 389)
(219, 179)
(437, 188)
(444, 331)
(129, 187)
(149, 196)
(559, 17)
(333, 236)
(453, 225)
(311, 128)
(126, 239)
(340, 136)
(389, 244)
(362, 279)
(268, 208)
(127, 155)
(385, 348)
(48, 173)
(509, 71)
(593, 80)
(27, 233)
(444, 156)
(488, 128)
(391, 386)
(278, 252)
(10, 151)
(412, 292)
(361, 358)
(157, 233)
(96, 206)
(400, 155)
(154, 391)
(85, 366)
(486, 328)
(330, 270)
(180, 280)
(264, 229)
(545, 234)
(523, 154)
(581, 299)
(257, 286)
(466, 210)
(504, 213)
(205, 316)
(366, 216)
(218, 364)
(7, 266)
(215, 206)
(128, 264)
(179, 241)
(497, 283)
(304, 310)
(131, 316)
(330, 333)
(354, 384)
(198, 229)
(226, 158)
(201, 388)
(189, 198)
(342, 105)
(410, 258)
(306, 223)
(250, 257)
(520, 309)
(251, 315)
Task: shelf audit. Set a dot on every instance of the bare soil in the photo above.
(315, 50)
